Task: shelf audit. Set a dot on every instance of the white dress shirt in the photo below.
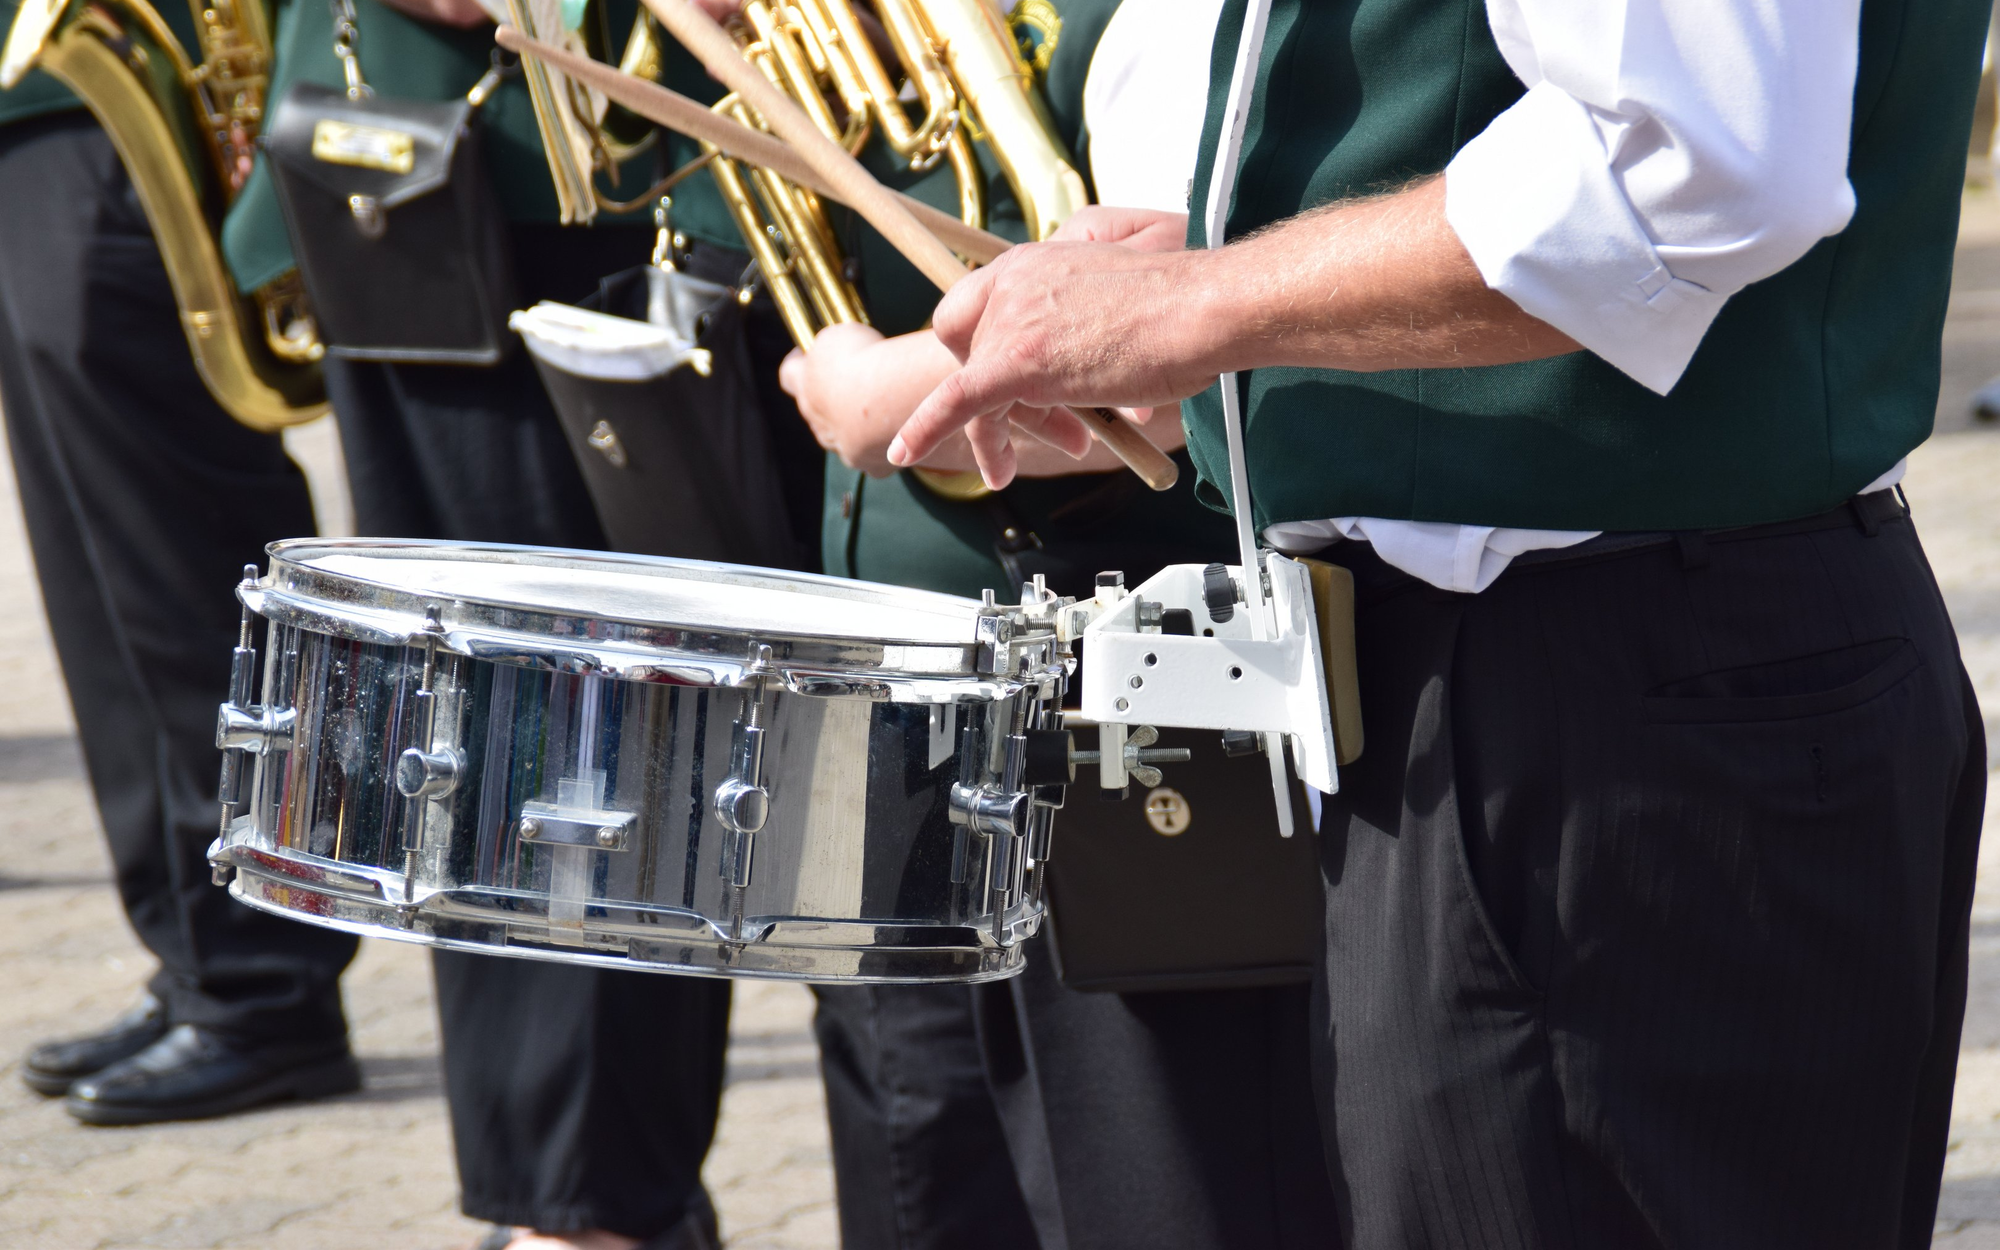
(1144, 99)
(1667, 154)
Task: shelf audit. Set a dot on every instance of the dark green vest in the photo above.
(895, 529)
(1810, 383)
(406, 58)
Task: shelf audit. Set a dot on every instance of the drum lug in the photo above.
(989, 811)
(998, 808)
(434, 773)
(428, 774)
(242, 728)
(742, 804)
(257, 730)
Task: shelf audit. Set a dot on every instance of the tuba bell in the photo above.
(185, 132)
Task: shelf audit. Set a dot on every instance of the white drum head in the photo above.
(626, 615)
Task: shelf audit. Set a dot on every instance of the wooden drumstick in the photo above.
(880, 207)
(690, 117)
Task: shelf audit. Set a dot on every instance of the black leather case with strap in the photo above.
(398, 235)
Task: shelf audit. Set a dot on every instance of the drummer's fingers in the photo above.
(1058, 427)
(958, 314)
(993, 449)
(982, 387)
(1035, 435)
(792, 373)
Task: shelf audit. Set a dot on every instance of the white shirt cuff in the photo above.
(1535, 203)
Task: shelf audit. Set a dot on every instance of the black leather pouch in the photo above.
(1181, 886)
(1187, 885)
(680, 463)
(396, 230)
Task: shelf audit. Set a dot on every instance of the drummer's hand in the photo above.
(1053, 323)
(838, 389)
(1145, 229)
(720, 10)
(856, 388)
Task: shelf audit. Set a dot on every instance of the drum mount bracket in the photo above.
(550, 824)
(1181, 651)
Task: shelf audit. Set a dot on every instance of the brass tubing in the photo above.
(754, 147)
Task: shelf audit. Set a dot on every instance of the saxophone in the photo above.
(185, 133)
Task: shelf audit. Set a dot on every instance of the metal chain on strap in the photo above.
(347, 47)
(345, 36)
(502, 66)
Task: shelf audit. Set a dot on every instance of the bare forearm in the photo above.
(1382, 283)
(1373, 284)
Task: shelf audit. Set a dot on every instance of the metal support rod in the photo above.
(426, 725)
(242, 673)
(1221, 194)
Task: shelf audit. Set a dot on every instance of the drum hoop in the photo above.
(315, 600)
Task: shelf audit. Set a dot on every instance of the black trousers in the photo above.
(1024, 1115)
(920, 1158)
(144, 501)
(1168, 1120)
(580, 1098)
(1647, 905)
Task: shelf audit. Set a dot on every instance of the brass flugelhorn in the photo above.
(960, 67)
(185, 131)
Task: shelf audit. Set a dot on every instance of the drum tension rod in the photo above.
(241, 727)
(423, 774)
(742, 802)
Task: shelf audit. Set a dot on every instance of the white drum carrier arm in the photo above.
(1258, 670)
(1213, 670)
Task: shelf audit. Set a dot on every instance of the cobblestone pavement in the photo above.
(374, 1169)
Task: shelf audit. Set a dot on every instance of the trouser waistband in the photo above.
(1868, 513)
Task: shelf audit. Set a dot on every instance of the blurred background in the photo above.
(374, 1169)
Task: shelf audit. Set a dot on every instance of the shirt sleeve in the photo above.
(1667, 154)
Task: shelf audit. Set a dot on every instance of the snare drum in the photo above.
(643, 763)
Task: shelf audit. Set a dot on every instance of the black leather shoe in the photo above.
(193, 1073)
(52, 1067)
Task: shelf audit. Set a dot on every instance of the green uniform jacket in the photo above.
(898, 531)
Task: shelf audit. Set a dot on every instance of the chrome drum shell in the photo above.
(643, 788)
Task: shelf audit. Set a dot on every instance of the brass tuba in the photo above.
(185, 133)
(964, 72)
